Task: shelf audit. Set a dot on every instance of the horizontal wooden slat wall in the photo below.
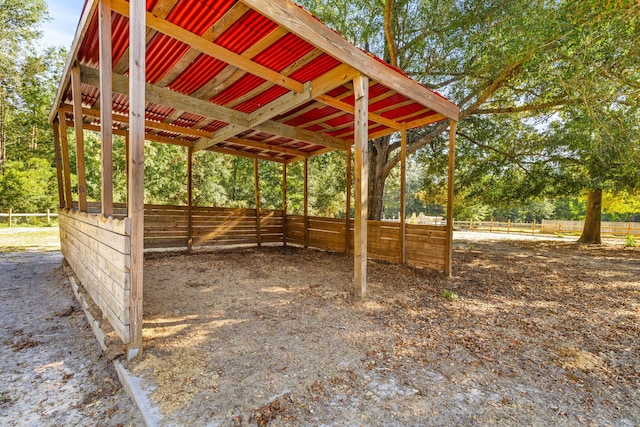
(98, 251)
(426, 246)
(425, 243)
(167, 226)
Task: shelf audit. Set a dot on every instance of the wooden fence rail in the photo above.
(548, 227)
(10, 215)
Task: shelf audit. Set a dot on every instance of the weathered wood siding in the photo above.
(426, 244)
(98, 251)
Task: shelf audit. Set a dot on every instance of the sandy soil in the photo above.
(53, 373)
(532, 333)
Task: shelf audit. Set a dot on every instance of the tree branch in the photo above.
(388, 33)
(522, 108)
(495, 150)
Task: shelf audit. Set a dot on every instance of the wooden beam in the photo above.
(244, 154)
(277, 128)
(284, 204)
(58, 156)
(361, 88)
(135, 200)
(64, 146)
(81, 30)
(211, 49)
(448, 261)
(269, 147)
(77, 121)
(106, 105)
(306, 202)
(256, 187)
(162, 96)
(348, 108)
(95, 113)
(348, 204)
(190, 197)
(305, 26)
(403, 195)
(410, 125)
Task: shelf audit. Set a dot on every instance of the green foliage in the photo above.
(450, 295)
(28, 186)
(630, 242)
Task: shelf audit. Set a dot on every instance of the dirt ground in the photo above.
(53, 373)
(525, 333)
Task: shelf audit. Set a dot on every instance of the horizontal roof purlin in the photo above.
(221, 72)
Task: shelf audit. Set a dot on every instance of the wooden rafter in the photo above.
(205, 46)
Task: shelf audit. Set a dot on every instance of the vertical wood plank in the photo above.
(306, 202)
(78, 125)
(64, 146)
(127, 157)
(448, 262)
(56, 145)
(256, 186)
(403, 194)
(135, 202)
(348, 202)
(190, 197)
(284, 204)
(361, 172)
(106, 116)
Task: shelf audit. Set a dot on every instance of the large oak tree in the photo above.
(512, 66)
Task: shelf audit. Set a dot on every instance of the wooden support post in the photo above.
(135, 200)
(64, 146)
(361, 172)
(106, 116)
(9, 217)
(78, 125)
(190, 197)
(348, 204)
(403, 194)
(448, 262)
(127, 157)
(306, 202)
(56, 146)
(284, 204)
(48, 216)
(256, 186)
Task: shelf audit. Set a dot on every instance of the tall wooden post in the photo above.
(106, 116)
(56, 146)
(403, 194)
(361, 93)
(284, 204)
(256, 186)
(135, 202)
(306, 202)
(64, 146)
(448, 262)
(78, 126)
(348, 203)
(190, 197)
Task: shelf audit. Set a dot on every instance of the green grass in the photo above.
(32, 238)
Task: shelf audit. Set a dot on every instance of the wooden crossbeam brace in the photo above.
(163, 96)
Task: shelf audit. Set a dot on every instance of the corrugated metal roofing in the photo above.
(175, 66)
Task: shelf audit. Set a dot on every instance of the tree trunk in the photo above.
(591, 230)
(378, 157)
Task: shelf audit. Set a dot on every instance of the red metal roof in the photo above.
(174, 66)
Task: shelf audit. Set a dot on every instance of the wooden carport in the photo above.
(252, 78)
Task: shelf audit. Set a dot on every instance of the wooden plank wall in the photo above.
(98, 251)
(168, 226)
(426, 244)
